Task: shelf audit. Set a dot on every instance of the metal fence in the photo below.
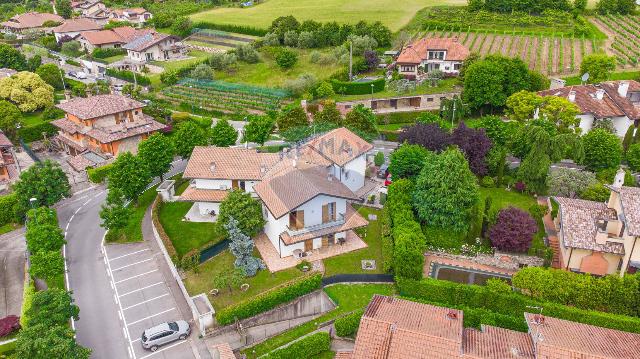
(212, 251)
(358, 278)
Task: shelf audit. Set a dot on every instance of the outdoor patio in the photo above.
(275, 263)
(194, 215)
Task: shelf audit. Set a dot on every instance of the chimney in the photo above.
(212, 167)
(623, 88)
(572, 96)
(599, 94)
(618, 181)
(294, 163)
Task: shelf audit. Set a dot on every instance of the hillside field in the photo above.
(392, 13)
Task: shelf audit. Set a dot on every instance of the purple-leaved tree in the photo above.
(475, 144)
(428, 135)
(513, 231)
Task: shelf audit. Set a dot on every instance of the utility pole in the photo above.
(350, 61)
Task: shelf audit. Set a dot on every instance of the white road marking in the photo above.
(126, 255)
(163, 349)
(151, 316)
(135, 340)
(146, 301)
(130, 352)
(136, 276)
(132, 264)
(137, 290)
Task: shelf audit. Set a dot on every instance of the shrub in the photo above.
(347, 326)
(307, 347)
(633, 156)
(9, 204)
(169, 77)
(99, 53)
(513, 231)
(247, 54)
(126, 75)
(9, 324)
(98, 174)
(487, 182)
(269, 299)
(357, 88)
(286, 58)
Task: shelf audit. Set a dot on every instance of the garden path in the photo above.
(552, 234)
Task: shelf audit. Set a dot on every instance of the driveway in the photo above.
(12, 261)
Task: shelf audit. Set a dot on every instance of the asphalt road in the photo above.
(100, 325)
(12, 261)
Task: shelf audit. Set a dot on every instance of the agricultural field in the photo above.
(224, 96)
(220, 40)
(393, 14)
(624, 38)
(548, 55)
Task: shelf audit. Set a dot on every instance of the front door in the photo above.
(234, 184)
(308, 245)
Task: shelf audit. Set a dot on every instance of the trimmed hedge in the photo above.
(99, 53)
(357, 88)
(247, 30)
(347, 326)
(34, 133)
(128, 76)
(270, 299)
(304, 348)
(99, 174)
(452, 294)
(9, 213)
(400, 117)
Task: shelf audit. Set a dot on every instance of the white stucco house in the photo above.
(305, 192)
(429, 54)
(152, 46)
(618, 101)
(87, 7)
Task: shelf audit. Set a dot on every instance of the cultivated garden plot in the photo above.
(218, 39)
(624, 38)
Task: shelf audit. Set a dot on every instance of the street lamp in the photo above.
(32, 204)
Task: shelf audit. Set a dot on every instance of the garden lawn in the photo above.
(196, 56)
(348, 297)
(445, 85)
(112, 59)
(267, 72)
(184, 235)
(393, 14)
(32, 118)
(202, 282)
(352, 262)
(622, 75)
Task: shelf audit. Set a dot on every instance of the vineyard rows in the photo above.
(624, 37)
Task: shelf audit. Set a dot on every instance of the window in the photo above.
(456, 66)
(296, 220)
(436, 55)
(173, 326)
(446, 68)
(429, 99)
(329, 212)
(149, 56)
(405, 68)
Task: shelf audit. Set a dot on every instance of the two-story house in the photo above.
(601, 238)
(88, 7)
(214, 171)
(152, 46)
(110, 39)
(30, 21)
(109, 124)
(8, 169)
(72, 28)
(618, 101)
(429, 54)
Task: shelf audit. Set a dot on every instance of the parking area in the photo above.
(143, 298)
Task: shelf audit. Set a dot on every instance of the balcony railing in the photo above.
(316, 227)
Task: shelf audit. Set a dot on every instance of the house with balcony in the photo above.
(104, 124)
(617, 101)
(87, 7)
(110, 39)
(430, 54)
(152, 46)
(601, 238)
(72, 28)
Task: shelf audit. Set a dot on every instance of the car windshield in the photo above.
(144, 338)
(173, 326)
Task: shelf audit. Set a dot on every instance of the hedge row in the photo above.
(452, 294)
(9, 205)
(400, 117)
(99, 53)
(34, 133)
(387, 238)
(408, 240)
(613, 294)
(347, 326)
(270, 299)
(247, 30)
(307, 347)
(357, 88)
(168, 245)
(98, 174)
(128, 76)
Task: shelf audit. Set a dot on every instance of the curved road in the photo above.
(99, 327)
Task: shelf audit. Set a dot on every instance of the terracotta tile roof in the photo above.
(69, 142)
(192, 194)
(118, 35)
(398, 328)
(77, 25)
(146, 41)
(128, 33)
(630, 198)
(565, 339)
(31, 20)
(131, 11)
(339, 146)
(416, 52)
(79, 163)
(84, 4)
(497, 343)
(579, 218)
(228, 163)
(4, 140)
(286, 187)
(352, 220)
(125, 130)
(98, 106)
(67, 126)
(343, 354)
(611, 104)
(223, 351)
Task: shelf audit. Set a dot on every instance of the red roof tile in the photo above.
(339, 146)
(98, 106)
(77, 25)
(234, 163)
(416, 52)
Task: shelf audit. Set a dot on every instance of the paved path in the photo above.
(12, 265)
(552, 234)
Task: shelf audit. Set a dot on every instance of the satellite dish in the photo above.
(585, 76)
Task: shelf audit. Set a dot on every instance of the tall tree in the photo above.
(522, 105)
(445, 192)
(11, 58)
(241, 246)
(292, 117)
(43, 342)
(10, 116)
(361, 118)
(27, 91)
(258, 129)
(429, 136)
(223, 134)
(156, 153)
(565, 182)
(46, 264)
(602, 149)
(45, 237)
(475, 145)
(51, 74)
(244, 209)
(64, 8)
(599, 67)
(44, 181)
(188, 136)
(513, 230)
(114, 213)
(561, 112)
(329, 113)
(407, 161)
(129, 175)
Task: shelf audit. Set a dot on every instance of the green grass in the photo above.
(202, 282)
(501, 198)
(622, 75)
(390, 12)
(186, 236)
(446, 85)
(8, 348)
(32, 118)
(56, 282)
(9, 227)
(324, 355)
(394, 126)
(196, 56)
(352, 262)
(112, 59)
(348, 297)
(268, 73)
